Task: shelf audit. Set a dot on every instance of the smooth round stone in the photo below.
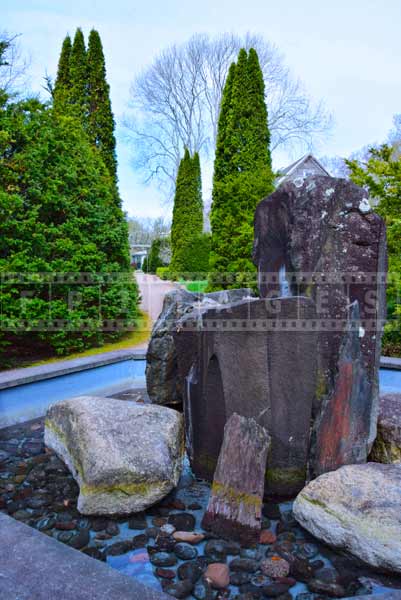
(112, 529)
(80, 540)
(252, 553)
(287, 536)
(316, 564)
(182, 521)
(274, 590)
(180, 589)
(189, 537)
(83, 524)
(167, 529)
(152, 532)
(22, 515)
(38, 501)
(99, 524)
(164, 573)
(191, 570)
(159, 521)
(203, 591)
(185, 551)
(275, 566)
(216, 549)
(137, 521)
(267, 537)
(327, 575)
(119, 548)
(307, 551)
(163, 559)
(140, 541)
(218, 575)
(239, 578)
(46, 523)
(65, 536)
(260, 580)
(250, 591)
(94, 553)
(334, 590)
(244, 564)
(302, 570)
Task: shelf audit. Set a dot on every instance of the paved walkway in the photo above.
(153, 291)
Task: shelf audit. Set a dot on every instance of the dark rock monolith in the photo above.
(235, 505)
(321, 238)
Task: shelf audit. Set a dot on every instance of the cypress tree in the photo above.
(63, 82)
(242, 173)
(100, 121)
(187, 222)
(78, 95)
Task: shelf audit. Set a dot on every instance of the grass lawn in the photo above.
(195, 286)
(131, 339)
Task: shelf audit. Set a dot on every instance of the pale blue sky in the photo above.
(347, 52)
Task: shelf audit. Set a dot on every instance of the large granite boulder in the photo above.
(235, 505)
(356, 508)
(387, 446)
(124, 456)
(162, 381)
(320, 238)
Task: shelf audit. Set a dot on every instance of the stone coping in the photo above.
(16, 377)
(34, 566)
(390, 362)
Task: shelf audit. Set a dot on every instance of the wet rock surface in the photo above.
(233, 510)
(387, 446)
(124, 456)
(356, 508)
(132, 544)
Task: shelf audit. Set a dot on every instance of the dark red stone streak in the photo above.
(335, 427)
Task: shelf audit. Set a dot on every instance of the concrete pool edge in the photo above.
(390, 362)
(36, 565)
(16, 377)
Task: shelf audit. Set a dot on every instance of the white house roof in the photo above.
(308, 160)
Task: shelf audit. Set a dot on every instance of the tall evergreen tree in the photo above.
(100, 121)
(187, 225)
(242, 173)
(78, 95)
(63, 81)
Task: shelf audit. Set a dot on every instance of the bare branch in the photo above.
(175, 103)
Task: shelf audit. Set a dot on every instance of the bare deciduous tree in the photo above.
(175, 103)
(14, 64)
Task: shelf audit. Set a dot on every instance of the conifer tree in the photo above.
(78, 95)
(63, 81)
(100, 121)
(242, 173)
(187, 222)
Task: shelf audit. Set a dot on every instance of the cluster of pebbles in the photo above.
(167, 540)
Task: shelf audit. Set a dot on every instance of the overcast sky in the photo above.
(346, 52)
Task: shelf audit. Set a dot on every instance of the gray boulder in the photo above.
(162, 381)
(124, 456)
(387, 446)
(356, 508)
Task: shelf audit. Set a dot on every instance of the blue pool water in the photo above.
(31, 400)
(390, 381)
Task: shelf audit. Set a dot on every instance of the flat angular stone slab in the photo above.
(124, 456)
(235, 506)
(34, 566)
